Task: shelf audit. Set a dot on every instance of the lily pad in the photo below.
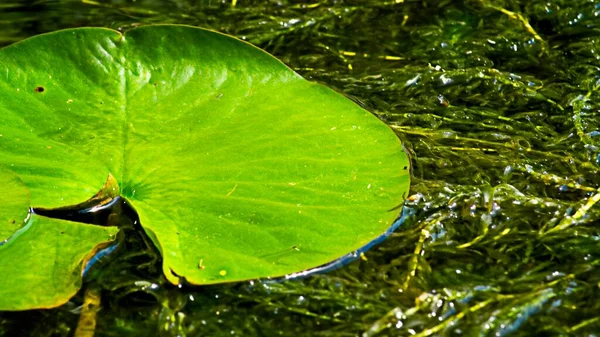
(237, 167)
(43, 263)
(43, 260)
(14, 204)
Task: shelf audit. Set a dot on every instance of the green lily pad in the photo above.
(237, 167)
(43, 259)
(14, 203)
(43, 263)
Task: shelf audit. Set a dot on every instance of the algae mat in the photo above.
(497, 103)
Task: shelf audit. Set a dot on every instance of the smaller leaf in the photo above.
(44, 273)
(14, 203)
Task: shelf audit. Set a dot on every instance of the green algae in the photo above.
(497, 102)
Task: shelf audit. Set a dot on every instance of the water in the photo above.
(497, 103)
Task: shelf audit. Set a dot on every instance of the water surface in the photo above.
(497, 103)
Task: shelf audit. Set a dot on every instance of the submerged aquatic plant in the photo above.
(497, 103)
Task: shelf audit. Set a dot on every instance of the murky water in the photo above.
(497, 103)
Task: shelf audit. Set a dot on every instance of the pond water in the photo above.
(497, 101)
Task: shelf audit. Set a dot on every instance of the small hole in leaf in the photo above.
(62, 232)
(405, 167)
(39, 89)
